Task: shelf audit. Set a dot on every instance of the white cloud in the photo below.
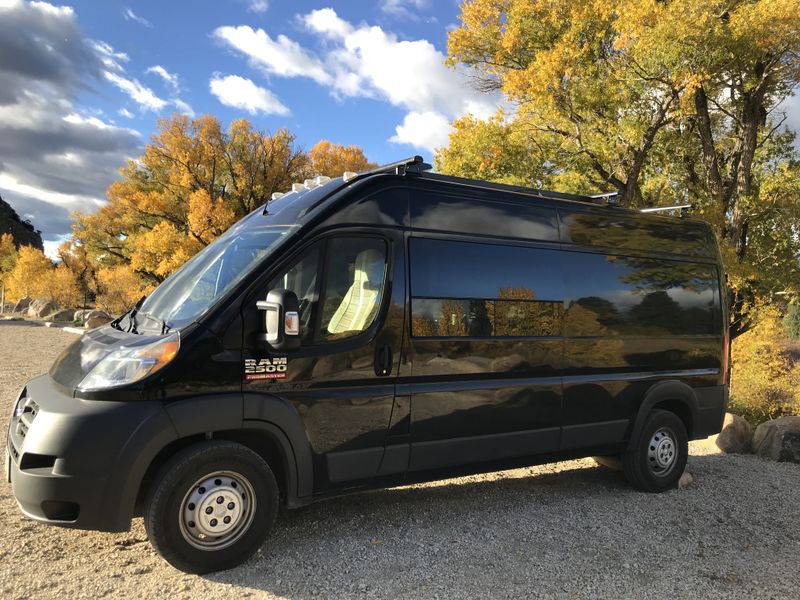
(402, 7)
(183, 107)
(125, 113)
(369, 62)
(258, 6)
(426, 130)
(240, 92)
(140, 94)
(282, 56)
(169, 78)
(129, 15)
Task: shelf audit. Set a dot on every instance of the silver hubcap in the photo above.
(217, 510)
(661, 452)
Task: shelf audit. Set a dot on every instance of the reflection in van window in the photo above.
(462, 289)
(653, 234)
(469, 215)
(626, 296)
(447, 269)
(449, 317)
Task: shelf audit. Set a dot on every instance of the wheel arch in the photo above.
(268, 425)
(674, 396)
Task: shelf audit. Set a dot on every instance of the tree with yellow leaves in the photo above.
(332, 159)
(193, 181)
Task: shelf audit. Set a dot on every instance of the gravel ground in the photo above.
(568, 530)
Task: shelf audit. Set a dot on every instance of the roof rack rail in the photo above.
(684, 208)
(610, 198)
(412, 163)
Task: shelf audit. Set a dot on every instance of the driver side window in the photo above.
(355, 271)
(302, 278)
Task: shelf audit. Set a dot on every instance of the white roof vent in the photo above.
(298, 187)
(321, 179)
(277, 195)
(309, 184)
(348, 176)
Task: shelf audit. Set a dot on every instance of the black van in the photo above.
(378, 329)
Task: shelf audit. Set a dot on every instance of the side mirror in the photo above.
(281, 320)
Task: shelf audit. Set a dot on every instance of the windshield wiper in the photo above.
(165, 327)
(131, 315)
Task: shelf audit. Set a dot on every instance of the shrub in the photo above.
(791, 322)
(765, 377)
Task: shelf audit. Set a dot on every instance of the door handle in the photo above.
(383, 360)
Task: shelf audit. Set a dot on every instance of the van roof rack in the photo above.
(412, 163)
(684, 208)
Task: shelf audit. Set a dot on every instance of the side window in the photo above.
(619, 296)
(354, 280)
(302, 278)
(462, 289)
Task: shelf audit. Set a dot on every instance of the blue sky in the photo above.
(89, 79)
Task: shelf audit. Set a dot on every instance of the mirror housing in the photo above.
(281, 320)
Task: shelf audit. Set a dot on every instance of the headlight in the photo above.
(130, 364)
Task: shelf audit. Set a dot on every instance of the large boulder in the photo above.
(96, 318)
(39, 309)
(63, 316)
(23, 304)
(736, 436)
(778, 439)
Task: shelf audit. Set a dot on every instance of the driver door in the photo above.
(341, 382)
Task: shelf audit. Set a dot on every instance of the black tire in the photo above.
(663, 434)
(238, 473)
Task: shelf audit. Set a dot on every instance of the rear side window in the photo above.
(625, 296)
(460, 214)
(653, 234)
(462, 289)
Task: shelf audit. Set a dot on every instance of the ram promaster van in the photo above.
(377, 329)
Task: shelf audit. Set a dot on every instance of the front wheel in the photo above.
(657, 459)
(212, 505)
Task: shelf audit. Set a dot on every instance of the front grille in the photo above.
(20, 423)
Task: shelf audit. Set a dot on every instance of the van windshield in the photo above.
(198, 284)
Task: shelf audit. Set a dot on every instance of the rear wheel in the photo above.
(658, 458)
(211, 507)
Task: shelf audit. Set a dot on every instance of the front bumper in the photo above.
(79, 463)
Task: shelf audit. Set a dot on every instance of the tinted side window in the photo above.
(645, 234)
(462, 214)
(462, 289)
(625, 296)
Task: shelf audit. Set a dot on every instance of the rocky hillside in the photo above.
(23, 231)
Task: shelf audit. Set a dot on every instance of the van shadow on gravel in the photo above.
(557, 532)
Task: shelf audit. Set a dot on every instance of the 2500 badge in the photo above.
(265, 368)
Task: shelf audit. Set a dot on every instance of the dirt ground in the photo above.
(567, 530)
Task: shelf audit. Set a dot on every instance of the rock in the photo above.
(97, 318)
(22, 304)
(63, 316)
(685, 480)
(778, 439)
(736, 436)
(39, 309)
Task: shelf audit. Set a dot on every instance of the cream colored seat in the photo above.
(357, 309)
